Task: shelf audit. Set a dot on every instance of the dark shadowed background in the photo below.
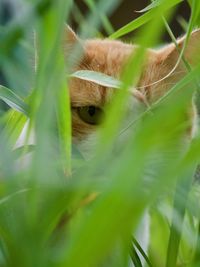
(124, 13)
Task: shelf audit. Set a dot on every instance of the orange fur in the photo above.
(109, 57)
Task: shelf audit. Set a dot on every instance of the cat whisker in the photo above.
(171, 73)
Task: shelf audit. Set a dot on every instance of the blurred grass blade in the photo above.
(105, 21)
(17, 28)
(156, 3)
(97, 77)
(183, 23)
(14, 124)
(195, 16)
(92, 23)
(134, 257)
(64, 125)
(18, 152)
(196, 259)
(85, 199)
(139, 248)
(52, 93)
(13, 100)
(180, 203)
(152, 13)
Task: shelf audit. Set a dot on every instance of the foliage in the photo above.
(62, 210)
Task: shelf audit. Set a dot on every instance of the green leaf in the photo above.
(155, 4)
(15, 122)
(18, 152)
(190, 2)
(139, 248)
(195, 16)
(13, 100)
(152, 13)
(183, 188)
(98, 78)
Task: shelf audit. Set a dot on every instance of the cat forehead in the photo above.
(106, 56)
(85, 93)
(102, 56)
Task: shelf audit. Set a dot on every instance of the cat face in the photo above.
(160, 72)
(88, 100)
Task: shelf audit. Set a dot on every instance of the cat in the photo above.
(160, 72)
(109, 57)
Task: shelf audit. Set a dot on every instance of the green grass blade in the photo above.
(137, 245)
(180, 203)
(18, 152)
(135, 24)
(105, 21)
(64, 125)
(157, 3)
(98, 78)
(134, 257)
(13, 100)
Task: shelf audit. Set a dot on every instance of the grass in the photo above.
(101, 204)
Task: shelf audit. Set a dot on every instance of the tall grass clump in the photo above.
(59, 209)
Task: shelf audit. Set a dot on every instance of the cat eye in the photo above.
(90, 114)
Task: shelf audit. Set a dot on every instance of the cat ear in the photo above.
(72, 46)
(192, 51)
(163, 67)
(70, 37)
(170, 53)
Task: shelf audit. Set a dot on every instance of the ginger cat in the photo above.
(109, 57)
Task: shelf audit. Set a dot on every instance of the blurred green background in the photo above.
(151, 168)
